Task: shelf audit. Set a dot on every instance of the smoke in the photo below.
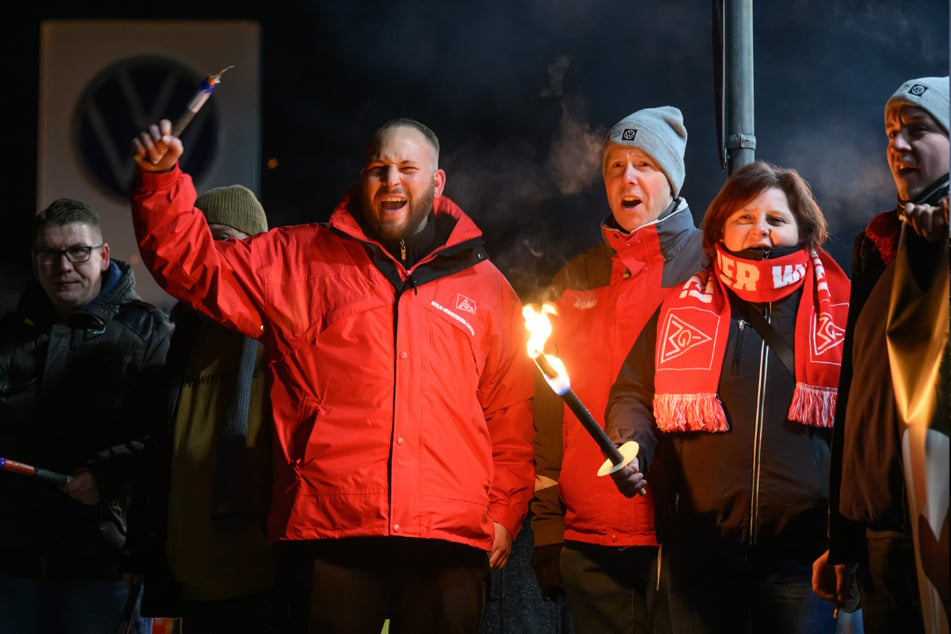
(522, 92)
(556, 77)
(575, 154)
(539, 202)
(894, 26)
(846, 169)
(821, 85)
(531, 225)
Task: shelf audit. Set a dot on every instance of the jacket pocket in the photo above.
(298, 447)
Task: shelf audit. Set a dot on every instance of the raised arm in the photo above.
(219, 279)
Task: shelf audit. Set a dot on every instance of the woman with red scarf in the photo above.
(730, 391)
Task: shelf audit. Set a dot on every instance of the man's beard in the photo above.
(418, 212)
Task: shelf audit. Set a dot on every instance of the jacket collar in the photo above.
(344, 219)
(669, 226)
(118, 286)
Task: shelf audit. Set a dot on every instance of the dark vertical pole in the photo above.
(740, 141)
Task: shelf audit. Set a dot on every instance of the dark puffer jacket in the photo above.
(73, 396)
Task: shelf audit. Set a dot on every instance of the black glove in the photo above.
(546, 561)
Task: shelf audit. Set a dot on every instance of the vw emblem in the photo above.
(125, 98)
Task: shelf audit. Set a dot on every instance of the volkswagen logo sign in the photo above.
(124, 99)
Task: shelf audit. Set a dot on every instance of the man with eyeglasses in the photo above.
(79, 361)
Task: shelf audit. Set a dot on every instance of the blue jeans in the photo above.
(713, 591)
(28, 606)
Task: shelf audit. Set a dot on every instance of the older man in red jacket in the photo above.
(591, 544)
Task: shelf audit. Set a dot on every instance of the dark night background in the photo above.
(521, 93)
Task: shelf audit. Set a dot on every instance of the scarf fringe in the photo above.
(813, 405)
(690, 412)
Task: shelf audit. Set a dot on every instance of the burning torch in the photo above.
(198, 100)
(553, 370)
(29, 470)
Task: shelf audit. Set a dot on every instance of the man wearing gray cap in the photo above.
(871, 526)
(593, 545)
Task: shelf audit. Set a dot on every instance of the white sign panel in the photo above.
(103, 81)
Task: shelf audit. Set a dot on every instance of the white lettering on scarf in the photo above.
(737, 274)
(788, 275)
(695, 289)
(821, 281)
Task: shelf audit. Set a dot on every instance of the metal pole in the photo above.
(740, 142)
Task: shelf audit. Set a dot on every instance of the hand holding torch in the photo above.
(555, 375)
(29, 470)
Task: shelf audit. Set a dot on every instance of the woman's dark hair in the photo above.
(747, 183)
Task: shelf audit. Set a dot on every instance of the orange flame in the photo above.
(538, 326)
(539, 329)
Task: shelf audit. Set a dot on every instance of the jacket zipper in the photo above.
(758, 433)
(741, 327)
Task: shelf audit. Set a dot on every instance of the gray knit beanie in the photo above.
(928, 93)
(235, 206)
(659, 132)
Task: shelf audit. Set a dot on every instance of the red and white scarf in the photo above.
(694, 325)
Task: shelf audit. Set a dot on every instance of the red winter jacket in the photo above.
(402, 398)
(604, 297)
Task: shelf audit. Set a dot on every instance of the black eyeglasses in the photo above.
(76, 254)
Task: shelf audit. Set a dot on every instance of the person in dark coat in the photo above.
(208, 560)
(79, 361)
(872, 527)
(730, 392)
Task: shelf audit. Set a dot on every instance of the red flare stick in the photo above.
(34, 472)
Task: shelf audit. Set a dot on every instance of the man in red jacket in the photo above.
(594, 545)
(401, 386)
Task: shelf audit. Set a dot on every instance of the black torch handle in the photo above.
(15, 466)
(51, 476)
(608, 450)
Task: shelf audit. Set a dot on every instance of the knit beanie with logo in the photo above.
(928, 93)
(235, 206)
(659, 132)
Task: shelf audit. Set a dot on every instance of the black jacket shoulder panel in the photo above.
(140, 317)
